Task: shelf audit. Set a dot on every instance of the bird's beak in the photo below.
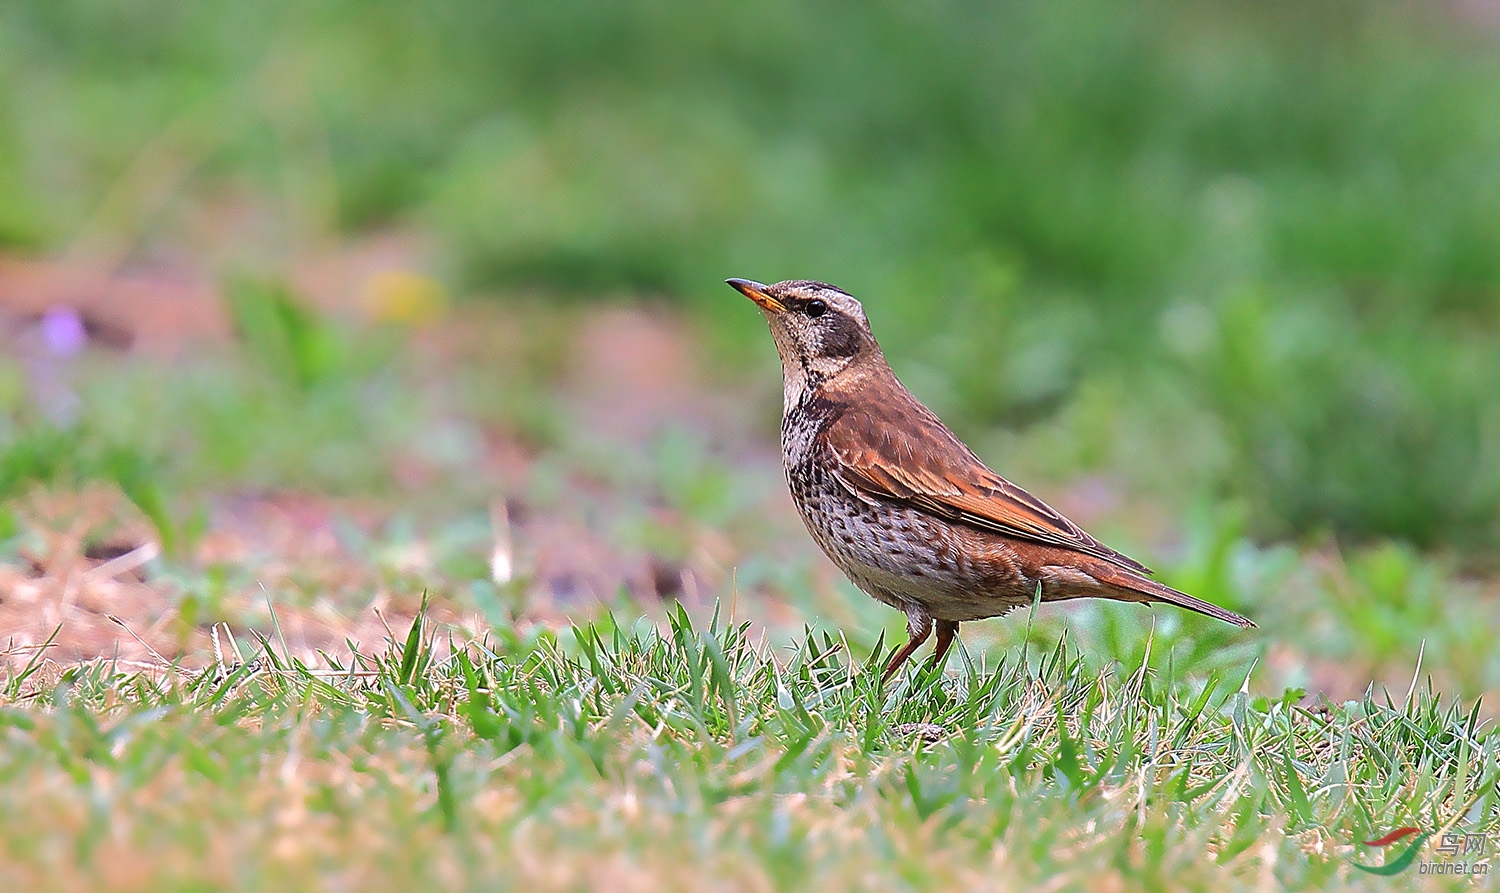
(757, 293)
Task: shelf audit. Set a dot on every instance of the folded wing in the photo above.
(919, 462)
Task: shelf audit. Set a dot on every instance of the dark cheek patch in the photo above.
(841, 337)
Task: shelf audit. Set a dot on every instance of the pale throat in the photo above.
(800, 371)
(793, 374)
(793, 385)
(799, 376)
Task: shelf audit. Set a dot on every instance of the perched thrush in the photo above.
(904, 509)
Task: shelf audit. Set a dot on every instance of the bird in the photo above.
(908, 512)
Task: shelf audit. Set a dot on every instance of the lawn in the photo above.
(681, 757)
(389, 489)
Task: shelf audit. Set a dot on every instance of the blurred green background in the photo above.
(1243, 254)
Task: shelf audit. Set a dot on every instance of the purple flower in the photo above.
(63, 331)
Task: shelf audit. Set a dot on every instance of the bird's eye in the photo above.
(816, 308)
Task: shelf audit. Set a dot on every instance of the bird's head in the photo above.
(820, 331)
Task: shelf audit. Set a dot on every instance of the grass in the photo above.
(677, 757)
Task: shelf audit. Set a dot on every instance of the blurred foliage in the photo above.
(1294, 207)
(1355, 427)
(286, 337)
(42, 455)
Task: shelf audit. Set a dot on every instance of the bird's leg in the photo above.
(918, 628)
(947, 631)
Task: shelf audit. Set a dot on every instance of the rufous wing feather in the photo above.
(904, 453)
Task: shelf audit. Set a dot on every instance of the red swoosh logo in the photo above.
(1393, 836)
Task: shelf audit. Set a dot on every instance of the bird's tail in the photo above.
(1146, 590)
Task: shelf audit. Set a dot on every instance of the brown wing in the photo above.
(898, 450)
